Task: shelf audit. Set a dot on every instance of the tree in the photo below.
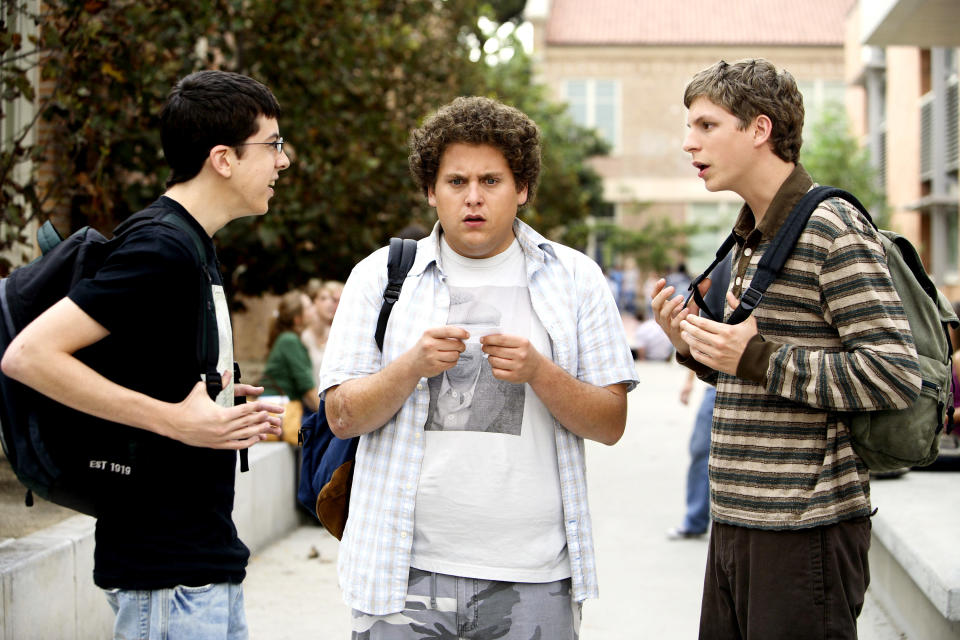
(353, 78)
(106, 68)
(833, 156)
(570, 189)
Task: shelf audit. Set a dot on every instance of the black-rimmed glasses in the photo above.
(276, 144)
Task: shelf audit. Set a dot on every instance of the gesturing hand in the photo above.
(200, 422)
(717, 345)
(669, 312)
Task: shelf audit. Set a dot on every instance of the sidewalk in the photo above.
(649, 587)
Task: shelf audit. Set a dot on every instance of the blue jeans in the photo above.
(213, 611)
(697, 518)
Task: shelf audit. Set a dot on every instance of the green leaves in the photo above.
(353, 78)
(833, 156)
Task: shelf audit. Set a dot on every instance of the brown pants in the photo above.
(806, 584)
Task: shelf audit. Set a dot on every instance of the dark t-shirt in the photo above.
(171, 522)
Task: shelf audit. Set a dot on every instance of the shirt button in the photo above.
(739, 280)
(419, 387)
(403, 534)
(748, 252)
(417, 435)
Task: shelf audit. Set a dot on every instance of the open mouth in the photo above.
(473, 220)
(701, 168)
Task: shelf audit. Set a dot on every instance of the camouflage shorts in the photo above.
(446, 607)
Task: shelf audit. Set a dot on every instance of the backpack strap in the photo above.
(48, 237)
(208, 339)
(400, 260)
(783, 244)
(694, 288)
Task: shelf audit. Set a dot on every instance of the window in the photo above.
(817, 94)
(875, 83)
(595, 104)
(939, 162)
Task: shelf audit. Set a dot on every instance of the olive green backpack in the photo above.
(887, 439)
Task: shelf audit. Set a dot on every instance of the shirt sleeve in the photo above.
(876, 367)
(604, 356)
(351, 350)
(139, 279)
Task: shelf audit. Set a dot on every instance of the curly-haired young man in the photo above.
(790, 500)
(467, 527)
(122, 347)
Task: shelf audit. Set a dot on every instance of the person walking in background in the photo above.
(324, 297)
(679, 279)
(696, 519)
(122, 348)
(288, 372)
(491, 519)
(789, 497)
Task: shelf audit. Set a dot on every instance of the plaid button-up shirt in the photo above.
(571, 298)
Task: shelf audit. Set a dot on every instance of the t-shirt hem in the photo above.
(788, 525)
(500, 574)
(110, 581)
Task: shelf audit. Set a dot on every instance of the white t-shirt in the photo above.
(488, 500)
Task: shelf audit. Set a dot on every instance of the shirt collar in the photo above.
(787, 196)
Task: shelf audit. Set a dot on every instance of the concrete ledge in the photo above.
(265, 507)
(914, 558)
(46, 585)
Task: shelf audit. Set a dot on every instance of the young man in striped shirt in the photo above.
(790, 499)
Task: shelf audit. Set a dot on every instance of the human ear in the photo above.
(522, 195)
(219, 158)
(762, 129)
(432, 196)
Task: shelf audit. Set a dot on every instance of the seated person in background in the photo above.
(650, 342)
(322, 299)
(289, 371)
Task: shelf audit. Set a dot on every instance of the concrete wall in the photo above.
(914, 564)
(46, 585)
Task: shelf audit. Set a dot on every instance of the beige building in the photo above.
(901, 65)
(622, 65)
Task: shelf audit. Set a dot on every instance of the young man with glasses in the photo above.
(122, 347)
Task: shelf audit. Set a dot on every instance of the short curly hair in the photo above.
(477, 120)
(748, 88)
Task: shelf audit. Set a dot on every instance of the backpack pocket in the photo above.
(894, 439)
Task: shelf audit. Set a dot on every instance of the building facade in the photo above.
(902, 70)
(622, 66)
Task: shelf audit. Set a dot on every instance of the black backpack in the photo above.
(46, 452)
(892, 439)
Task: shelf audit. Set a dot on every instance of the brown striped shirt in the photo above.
(833, 339)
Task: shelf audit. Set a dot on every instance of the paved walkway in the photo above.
(649, 587)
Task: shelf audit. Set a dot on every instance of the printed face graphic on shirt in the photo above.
(468, 397)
